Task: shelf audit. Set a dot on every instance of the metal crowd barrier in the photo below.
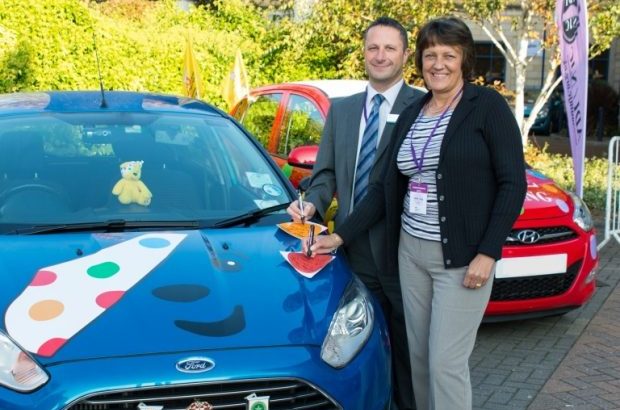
(612, 208)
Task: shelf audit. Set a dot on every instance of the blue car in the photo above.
(142, 267)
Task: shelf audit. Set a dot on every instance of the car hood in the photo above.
(544, 199)
(83, 296)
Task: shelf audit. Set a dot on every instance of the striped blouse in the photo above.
(423, 226)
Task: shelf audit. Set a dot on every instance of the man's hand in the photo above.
(295, 213)
(324, 244)
(478, 271)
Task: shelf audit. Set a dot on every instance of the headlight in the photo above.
(18, 371)
(581, 214)
(351, 326)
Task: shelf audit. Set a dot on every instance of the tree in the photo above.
(329, 41)
(533, 20)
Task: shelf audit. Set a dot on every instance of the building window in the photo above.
(599, 66)
(490, 63)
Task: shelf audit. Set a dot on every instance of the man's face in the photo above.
(384, 56)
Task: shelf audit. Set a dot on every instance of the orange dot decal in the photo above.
(46, 310)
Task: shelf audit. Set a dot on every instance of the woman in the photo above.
(454, 183)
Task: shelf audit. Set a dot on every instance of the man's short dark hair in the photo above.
(389, 22)
(448, 31)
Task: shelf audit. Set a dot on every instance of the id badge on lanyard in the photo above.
(418, 197)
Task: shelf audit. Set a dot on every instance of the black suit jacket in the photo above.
(480, 181)
(335, 164)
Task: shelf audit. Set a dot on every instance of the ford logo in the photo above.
(195, 365)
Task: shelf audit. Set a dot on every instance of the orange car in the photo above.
(288, 119)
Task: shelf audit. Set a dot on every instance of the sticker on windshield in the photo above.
(258, 180)
(271, 189)
(265, 203)
(50, 311)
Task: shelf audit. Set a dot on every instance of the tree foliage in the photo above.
(49, 44)
(533, 20)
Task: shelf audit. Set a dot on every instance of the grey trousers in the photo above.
(442, 318)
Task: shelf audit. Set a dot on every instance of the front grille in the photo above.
(289, 394)
(547, 235)
(530, 287)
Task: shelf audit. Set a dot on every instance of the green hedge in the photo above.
(48, 45)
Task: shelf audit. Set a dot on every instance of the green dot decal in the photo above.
(103, 270)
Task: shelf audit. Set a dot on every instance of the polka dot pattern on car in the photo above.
(62, 299)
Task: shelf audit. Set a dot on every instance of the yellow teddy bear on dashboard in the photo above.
(130, 189)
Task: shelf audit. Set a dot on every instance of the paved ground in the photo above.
(563, 362)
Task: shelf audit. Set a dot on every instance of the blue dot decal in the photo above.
(154, 242)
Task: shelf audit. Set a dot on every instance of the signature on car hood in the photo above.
(544, 199)
(79, 296)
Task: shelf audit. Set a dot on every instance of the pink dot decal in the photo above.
(43, 278)
(50, 347)
(107, 299)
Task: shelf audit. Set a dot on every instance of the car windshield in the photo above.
(66, 169)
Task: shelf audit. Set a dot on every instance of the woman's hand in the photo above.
(324, 244)
(478, 271)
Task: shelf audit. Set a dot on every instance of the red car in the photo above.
(549, 260)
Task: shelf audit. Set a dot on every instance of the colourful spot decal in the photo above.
(537, 174)
(43, 318)
(103, 270)
(49, 347)
(593, 245)
(562, 205)
(107, 299)
(43, 277)
(522, 211)
(155, 243)
(46, 310)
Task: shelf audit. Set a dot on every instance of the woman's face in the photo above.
(442, 68)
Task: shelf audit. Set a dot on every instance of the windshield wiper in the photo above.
(112, 225)
(248, 217)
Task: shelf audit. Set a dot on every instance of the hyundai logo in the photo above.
(195, 365)
(528, 236)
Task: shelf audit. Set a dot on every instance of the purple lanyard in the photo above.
(420, 162)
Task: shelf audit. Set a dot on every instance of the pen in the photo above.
(310, 241)
(301, 208)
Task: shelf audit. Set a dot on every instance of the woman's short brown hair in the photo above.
(449, 31)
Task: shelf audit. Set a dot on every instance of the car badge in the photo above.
(195, 365)
(200, 405)
(528, 236)
(143, 406)
(257, 402)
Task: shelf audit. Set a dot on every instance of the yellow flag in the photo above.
(236, 85)
(192, 84)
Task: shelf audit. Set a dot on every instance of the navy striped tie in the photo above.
(368, 150)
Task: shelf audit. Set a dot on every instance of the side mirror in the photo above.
(303, 156)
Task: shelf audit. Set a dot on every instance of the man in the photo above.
(355, 136)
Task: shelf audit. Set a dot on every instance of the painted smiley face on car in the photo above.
(49, 311)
